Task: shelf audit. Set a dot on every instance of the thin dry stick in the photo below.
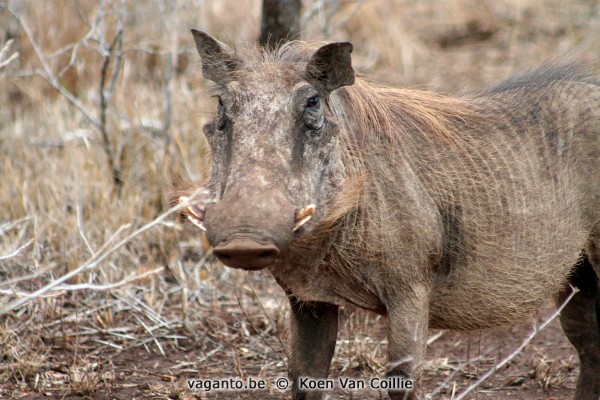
(16, 252)
(533, 334)
(262, 308)
(110, 286)
(435, 337)
(3, 60)
(265, 341)
(459, 368)
(105, 96)
(106, 84)
(78, 209)
(27, 277)
(7, 226)
(7, 292)
(154, 338)
(74, 47)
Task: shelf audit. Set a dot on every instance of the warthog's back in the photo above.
(518, 196)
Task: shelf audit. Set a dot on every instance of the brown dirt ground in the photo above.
(546, 369)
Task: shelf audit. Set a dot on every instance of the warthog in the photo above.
(436, 211)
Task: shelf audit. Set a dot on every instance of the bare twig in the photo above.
(169, 22)
(16, 252)
(80, 227)
(260, 334)
(100, 288)
(94, 261)
(27, 277)
(435, 337)
(105, 97)
(161, 53)
(154, 338)
(107, 83)
(49, 76)
(79, 136)
(119, 52)
(512, 355)
(455, 371)
(4, 61)
(7, 226)
(74, 47)
(26, 294)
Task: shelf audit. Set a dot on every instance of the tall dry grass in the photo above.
(58, 202)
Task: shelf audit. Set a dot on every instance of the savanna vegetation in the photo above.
(105, 292)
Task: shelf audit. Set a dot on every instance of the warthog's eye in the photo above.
(221, 120)
(312, 116)
(220, 107)
(313, 102)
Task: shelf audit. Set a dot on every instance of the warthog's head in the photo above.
(274, 148)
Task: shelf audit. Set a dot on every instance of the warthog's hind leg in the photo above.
(580, 320)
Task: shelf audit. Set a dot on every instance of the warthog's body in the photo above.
(492, 210)
(456, 213)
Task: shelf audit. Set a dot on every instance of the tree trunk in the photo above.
(280, 22)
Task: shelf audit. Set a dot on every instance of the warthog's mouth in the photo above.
(244, 250)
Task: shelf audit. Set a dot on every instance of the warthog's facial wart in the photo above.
(274, 147)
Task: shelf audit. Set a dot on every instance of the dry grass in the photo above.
(160, 291)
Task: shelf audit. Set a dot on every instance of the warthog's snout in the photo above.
(249, 228)
(246, 253)
(249, 236)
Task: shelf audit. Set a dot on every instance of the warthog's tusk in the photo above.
(304, 215)
(197, 222)
(194, 213)
(198, 211)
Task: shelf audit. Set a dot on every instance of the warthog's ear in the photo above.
(219, 62)
(331, 66)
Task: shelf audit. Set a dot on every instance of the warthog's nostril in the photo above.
(246, 253)
(267, 254)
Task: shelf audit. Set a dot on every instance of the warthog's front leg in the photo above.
(313, 333)
(408, 321)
